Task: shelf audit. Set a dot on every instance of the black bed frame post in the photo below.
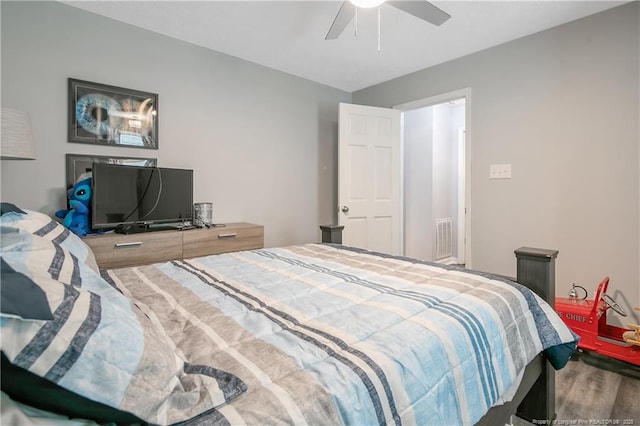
(537, 270)
(332, 233)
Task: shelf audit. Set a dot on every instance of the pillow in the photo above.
(44, 226)
(102, 347)
(21, 297)
(39, 255)
(30, 389)
(8, 208)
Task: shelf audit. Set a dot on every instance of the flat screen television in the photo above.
(131, 198)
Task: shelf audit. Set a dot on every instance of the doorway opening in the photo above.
(435, 194)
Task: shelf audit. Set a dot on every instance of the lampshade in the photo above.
(16, 141)
(367, 3)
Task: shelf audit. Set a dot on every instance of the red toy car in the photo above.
(588, 319)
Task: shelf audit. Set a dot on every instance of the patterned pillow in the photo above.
(40, 257)
(44, 226)
(41, 394)
(21, 297)
(99, 345)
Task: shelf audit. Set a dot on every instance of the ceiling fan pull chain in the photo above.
(378, 28)
(355, 27)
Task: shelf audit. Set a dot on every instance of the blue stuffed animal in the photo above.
(77, 217)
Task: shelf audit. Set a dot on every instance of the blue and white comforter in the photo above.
(324, 334)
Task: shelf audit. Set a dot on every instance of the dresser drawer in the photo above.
(117, 250)
(229, 238)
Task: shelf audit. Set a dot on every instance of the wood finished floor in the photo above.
(594, 391)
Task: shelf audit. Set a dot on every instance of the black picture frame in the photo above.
(109, 115)
(78, 164)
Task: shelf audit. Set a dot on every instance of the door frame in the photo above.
(427, 102)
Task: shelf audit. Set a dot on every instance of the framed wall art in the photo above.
(110, 115)
(78, 164)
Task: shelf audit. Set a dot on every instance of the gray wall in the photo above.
(263, 144)
(562, 107)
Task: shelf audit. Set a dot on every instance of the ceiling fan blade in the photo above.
(423, 10)
(345, 15)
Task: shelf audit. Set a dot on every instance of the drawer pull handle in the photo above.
(232, 235)
(132, 244)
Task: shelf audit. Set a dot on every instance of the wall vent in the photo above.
(444, 235)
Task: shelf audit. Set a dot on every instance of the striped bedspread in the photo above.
(323, 334)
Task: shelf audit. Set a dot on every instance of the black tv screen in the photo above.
(128, 195)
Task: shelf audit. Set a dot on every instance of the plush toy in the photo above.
(77, 217)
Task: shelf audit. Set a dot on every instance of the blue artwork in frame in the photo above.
(111, 115)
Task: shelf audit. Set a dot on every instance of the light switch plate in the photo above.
(500, 171)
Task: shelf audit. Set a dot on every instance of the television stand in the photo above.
(115, 250)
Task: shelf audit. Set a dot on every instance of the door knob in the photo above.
(345, 209)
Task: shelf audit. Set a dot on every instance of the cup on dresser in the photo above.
(203, 215)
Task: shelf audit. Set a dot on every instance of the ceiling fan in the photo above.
(419, 8)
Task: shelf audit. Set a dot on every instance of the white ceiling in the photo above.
(289, 35)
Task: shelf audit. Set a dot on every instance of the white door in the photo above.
(369, 177)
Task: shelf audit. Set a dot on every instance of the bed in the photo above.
(306, 334)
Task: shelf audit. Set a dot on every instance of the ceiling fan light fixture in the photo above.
(367, 3)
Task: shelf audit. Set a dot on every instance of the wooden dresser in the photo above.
(118, 250)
